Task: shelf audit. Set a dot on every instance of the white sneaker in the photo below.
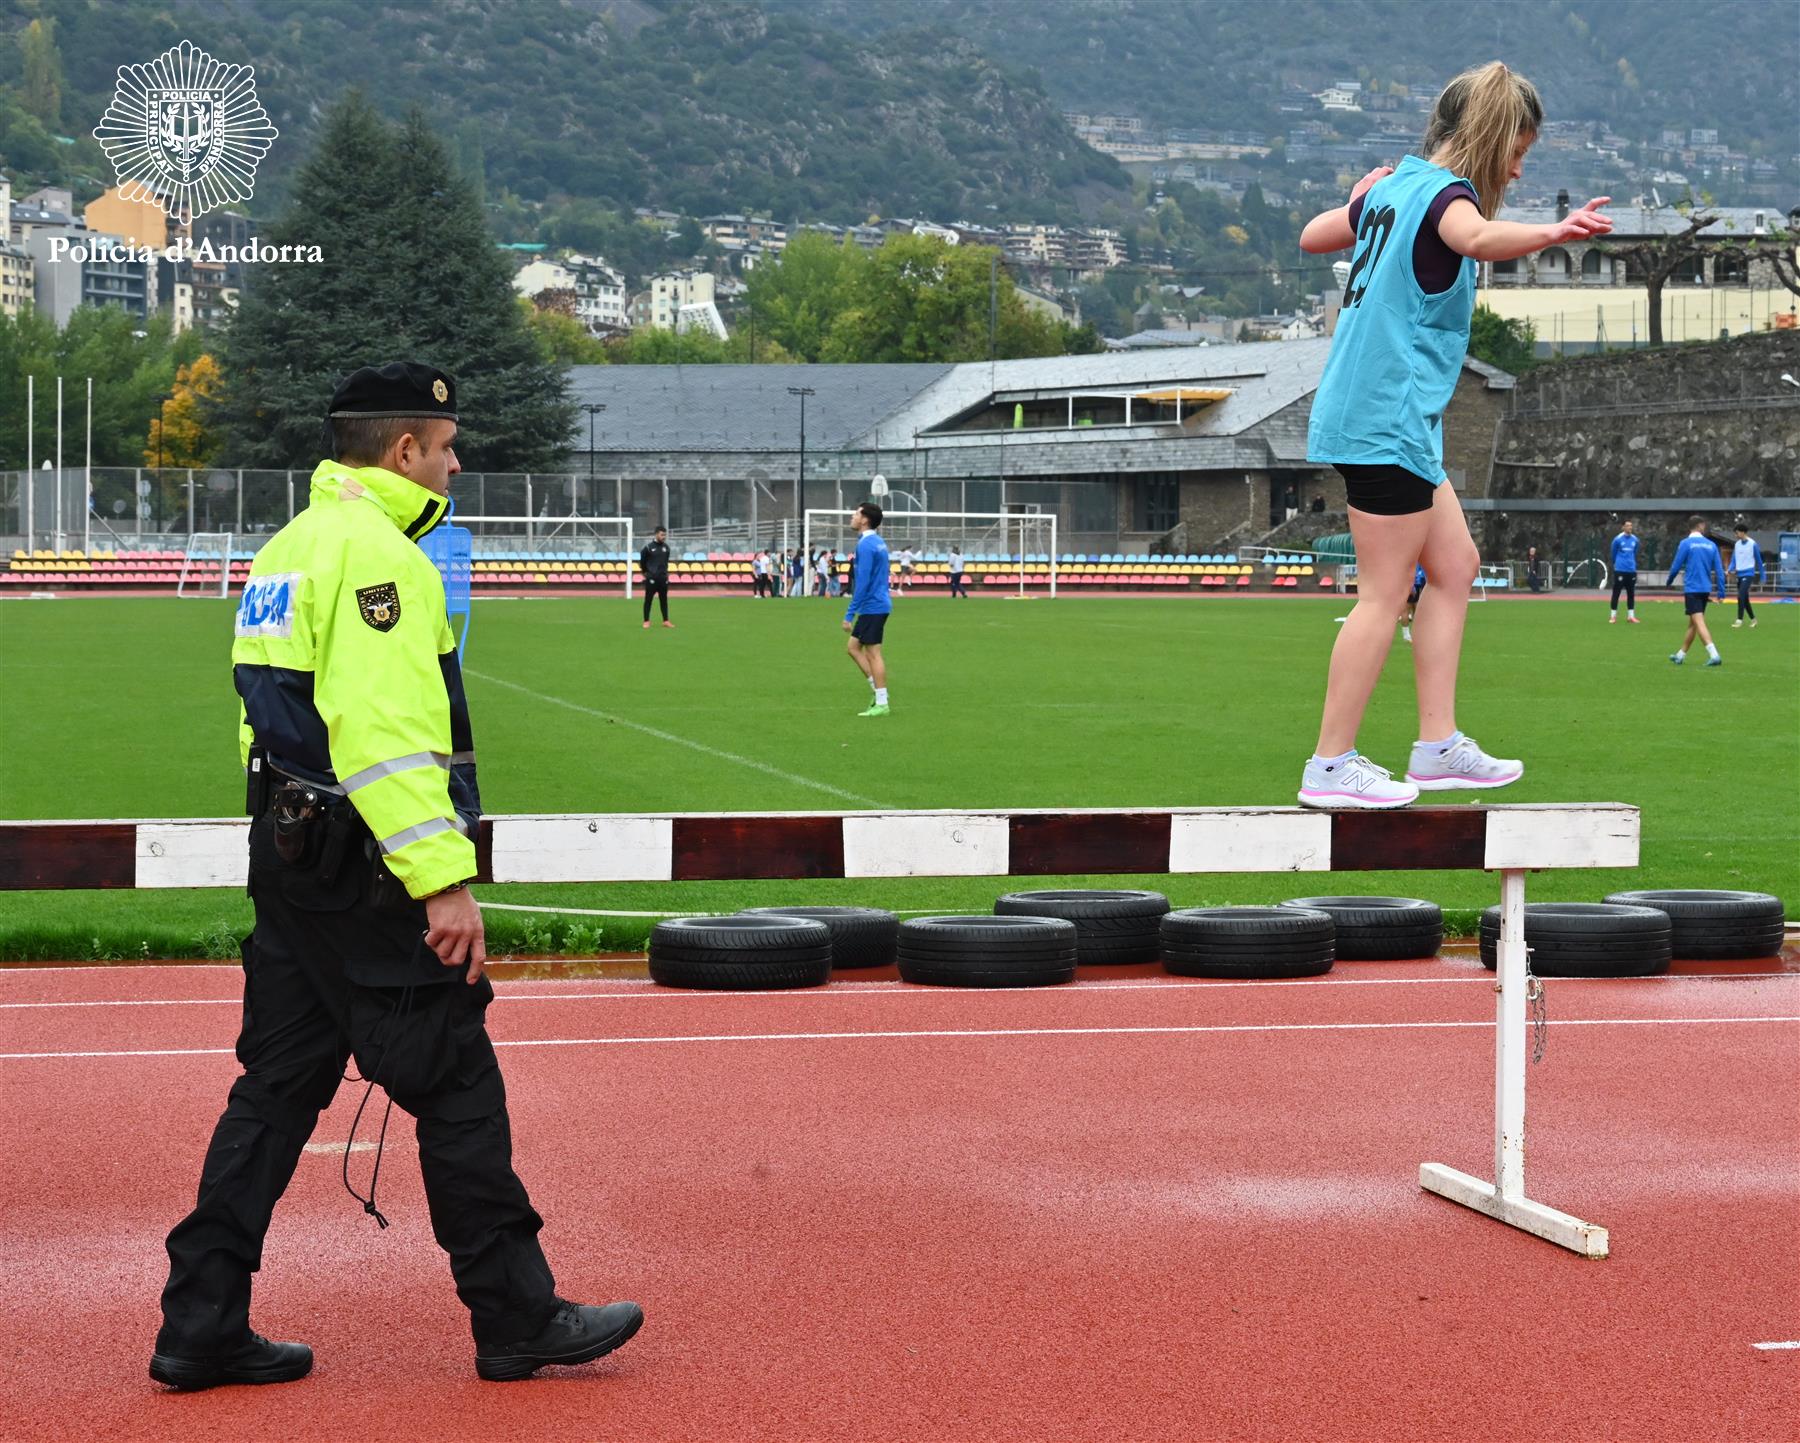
(1354, 783)
(1460, 766)
(1736, 624)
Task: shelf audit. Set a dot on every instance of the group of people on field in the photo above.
(776, 573)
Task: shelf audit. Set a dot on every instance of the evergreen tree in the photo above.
(517, 413)
(409, 272)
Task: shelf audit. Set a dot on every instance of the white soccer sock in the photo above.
(1711, 649)
(871, 682)
(1631, 613)
(881, 696)
(1681, 653)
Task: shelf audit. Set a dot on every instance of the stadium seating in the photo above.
(704, 571)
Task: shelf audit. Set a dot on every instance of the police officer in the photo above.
(355, 736)
(653, 561)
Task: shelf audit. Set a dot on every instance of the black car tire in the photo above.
(1113, 927)
(860, 936)
(740, 953)
(1248, 942)
(1586, 939)
(1717, 926)
(1381, 929)
(987, 951)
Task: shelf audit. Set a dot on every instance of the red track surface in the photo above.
(883, 1212)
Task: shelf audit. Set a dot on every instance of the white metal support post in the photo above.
(1504, 1199)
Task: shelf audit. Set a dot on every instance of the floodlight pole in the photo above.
(593, 409)
(59, 465)
(800, 476)
(30, 460)
(87, 510)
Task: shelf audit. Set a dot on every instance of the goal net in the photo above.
(205, 565)
(1001, 551)
(1488, 580)
(587, 546)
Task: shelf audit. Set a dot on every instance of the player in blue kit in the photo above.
(870, 605)
(1417, 233)
(1412, 603)
(1697, 564)
(1624, 569)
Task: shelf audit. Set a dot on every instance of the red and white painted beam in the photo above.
(720, 846)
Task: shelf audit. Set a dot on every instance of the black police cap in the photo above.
(400, 388)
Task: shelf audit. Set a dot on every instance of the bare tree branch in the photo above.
(1660, 256)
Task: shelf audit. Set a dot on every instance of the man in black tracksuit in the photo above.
(653, 561)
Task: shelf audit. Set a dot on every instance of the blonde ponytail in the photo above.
(1476, 124)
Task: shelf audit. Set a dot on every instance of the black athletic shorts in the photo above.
(1386, 490)
(1412, 597)
(869, 627)
(1696, 602)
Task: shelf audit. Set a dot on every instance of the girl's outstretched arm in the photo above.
(1331, 230)
(1465, 231)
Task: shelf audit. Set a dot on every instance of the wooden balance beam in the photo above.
(720, 846)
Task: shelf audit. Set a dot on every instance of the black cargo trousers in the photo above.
(337, 968)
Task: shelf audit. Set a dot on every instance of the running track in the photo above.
(1138, 1207)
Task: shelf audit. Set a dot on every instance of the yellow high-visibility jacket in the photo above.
(348, 673)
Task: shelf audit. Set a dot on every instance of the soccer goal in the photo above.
(551, 544)
(1487, 581)
(1009, 550)
(205, 549)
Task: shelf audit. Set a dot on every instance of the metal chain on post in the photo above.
(1540, 1017)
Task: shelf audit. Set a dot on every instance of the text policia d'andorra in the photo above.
(117, 252)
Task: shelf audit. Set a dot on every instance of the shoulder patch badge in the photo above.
(380, 605)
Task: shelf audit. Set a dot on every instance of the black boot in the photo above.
(258, 1361)
(576, 1334)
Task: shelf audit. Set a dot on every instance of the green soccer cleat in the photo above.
(876, 709)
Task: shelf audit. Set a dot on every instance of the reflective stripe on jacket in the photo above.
(348, 673)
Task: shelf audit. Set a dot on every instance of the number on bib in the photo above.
(1371, 240)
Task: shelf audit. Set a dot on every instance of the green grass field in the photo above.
(124, 708)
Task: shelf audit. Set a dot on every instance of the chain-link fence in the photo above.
(133, 508)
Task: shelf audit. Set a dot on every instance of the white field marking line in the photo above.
(970, 1032)
(680, 741)
(1771, 1347)
(882, 989)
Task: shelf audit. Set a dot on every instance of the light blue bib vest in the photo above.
(1398, 351)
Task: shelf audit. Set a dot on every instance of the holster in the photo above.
(297, 808)
(311, 831)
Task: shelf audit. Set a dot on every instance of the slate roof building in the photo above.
(1190, 446)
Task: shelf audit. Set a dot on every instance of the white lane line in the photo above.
(884, 989)
(1770, 1347)
(791, 778)
(971, 1032)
